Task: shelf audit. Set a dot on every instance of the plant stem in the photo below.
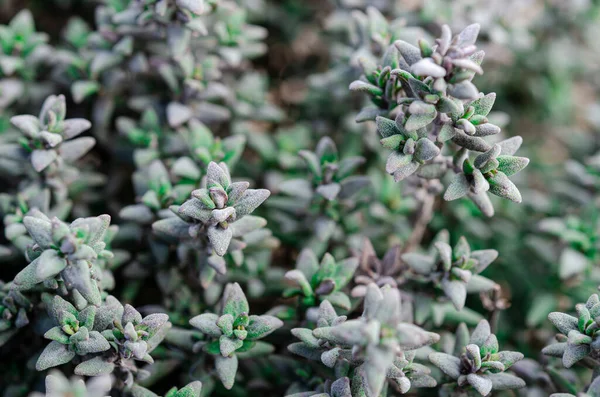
(423, 218)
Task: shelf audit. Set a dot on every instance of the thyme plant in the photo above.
(299, 198)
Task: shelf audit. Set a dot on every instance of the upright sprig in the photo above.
(47, 137)
(234, 333)
(314, 281)
(425, 102)
(66, 258)
(477, 363)
(73, 334)
(378, 346)
(578, 338)
(454, 270)
(216, 218)
(371, 269)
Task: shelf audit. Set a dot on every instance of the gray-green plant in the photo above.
(314, 281)
(477, 363)
(235, 148)
(372, 350)
(455, 270)
(233, 333)
(424, 100)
